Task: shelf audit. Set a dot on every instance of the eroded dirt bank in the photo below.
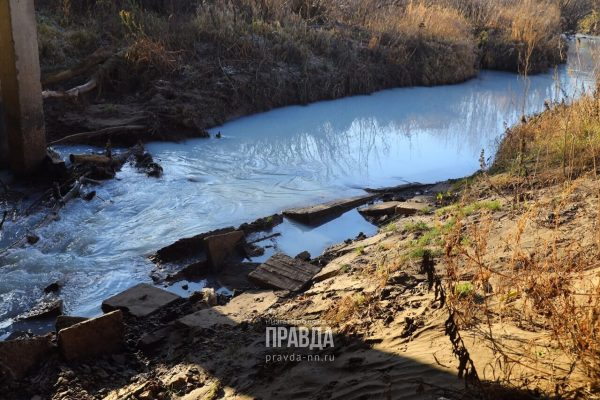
(154, 71)
(425, 307)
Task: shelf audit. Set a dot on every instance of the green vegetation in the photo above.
(429, 238)
(419, 226)
(464, 289)
(471, 208)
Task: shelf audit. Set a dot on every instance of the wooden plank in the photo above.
(269, 279)
(283, 272)
(292, 265)
(323, 212)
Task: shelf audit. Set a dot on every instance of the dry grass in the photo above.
(433, 33)
(535, 277)
(562, 143)
(538, 270)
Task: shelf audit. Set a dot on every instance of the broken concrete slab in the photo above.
(140, 300)
(149, 340)
(65, 321)
(94, 337)
(284, 272)
(18, 357)
(391, 208)
(241, 308)
(405, 187)
(173, 272)
(411, 208)
(323, 212)
(379, 209)
(46, 308)
(223, 246)
(186, 248)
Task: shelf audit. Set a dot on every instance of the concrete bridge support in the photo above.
(3, 139)
(20, 87)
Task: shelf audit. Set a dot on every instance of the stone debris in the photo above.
(241, 308)
(186, 248)
(283, 272)
(94, 337)
(53, 287)
(65, 321)
(47, 308)
(327, 211)
(221, 247)
(17, 357)
(140, 300)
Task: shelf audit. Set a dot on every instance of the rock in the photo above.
(45, 309)
(194, 270)
(411, 208)
(253, 250)
(221, 247)
(177, 381)
(241, 308)
(65, 321)
(209, 296)
(379, 209)
(327, 211)
(329, 271)
(140, 300)
(262, 224)
(186, 248)
(32, 238)
(20, 335)
(283, 272)
(150, 339)
(94, 337)
(17, 357)
(89, 195)
(53, 287)
(304, 256)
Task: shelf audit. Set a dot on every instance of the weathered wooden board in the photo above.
(284, 272)
(326, 211)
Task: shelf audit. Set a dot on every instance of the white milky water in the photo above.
(293, 156)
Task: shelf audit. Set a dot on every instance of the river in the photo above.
(264, 163)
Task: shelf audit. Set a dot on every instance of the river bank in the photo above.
(169, 72)
(467, 298)
(286, 158)
(493, 283)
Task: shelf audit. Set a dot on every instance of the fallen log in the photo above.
(97, 57)
(71, 194)
(98, 135)
(72, 93)
(105, 68)
(99, 159)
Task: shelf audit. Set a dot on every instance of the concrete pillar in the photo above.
(21, 88)
(3, 139)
